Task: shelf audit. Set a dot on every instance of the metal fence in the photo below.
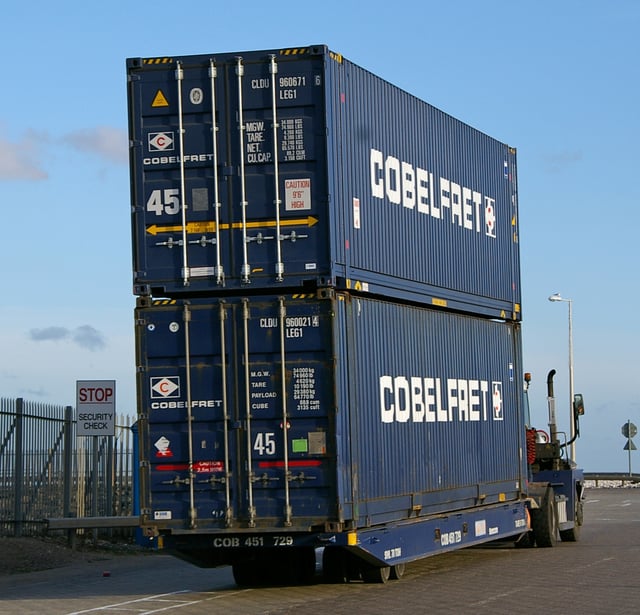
(46, 471)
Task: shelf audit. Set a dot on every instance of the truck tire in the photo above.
(397, 571)
(543, 521)
(335, 565)
(301, 566)
(525, 541)
(246, 573)
(375, 574)
(573, 534)
(289, 567)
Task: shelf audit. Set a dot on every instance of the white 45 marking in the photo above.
(265, 443)
(164, 201)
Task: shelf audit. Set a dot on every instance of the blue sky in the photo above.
(558, 80)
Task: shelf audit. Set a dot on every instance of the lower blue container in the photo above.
(324, 411)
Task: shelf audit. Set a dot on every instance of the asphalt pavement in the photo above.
(597, 575)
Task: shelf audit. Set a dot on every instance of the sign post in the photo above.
(96, 416)
(629, 430)
(96, 407)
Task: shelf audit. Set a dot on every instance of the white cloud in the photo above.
(49, 334)
(88, 337)
(559, 161)
(21, 159)
(84, 336)
(104, 141)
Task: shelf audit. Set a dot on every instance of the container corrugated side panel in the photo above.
(346, 446)
(405, 163)
(436, 421)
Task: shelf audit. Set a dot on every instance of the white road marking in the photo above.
(165, 602)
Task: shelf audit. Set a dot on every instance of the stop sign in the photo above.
(95, 407)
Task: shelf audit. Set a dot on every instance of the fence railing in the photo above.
(46, 471)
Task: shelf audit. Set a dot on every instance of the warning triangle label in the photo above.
(159, 100)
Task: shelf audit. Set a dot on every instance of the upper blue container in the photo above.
(297, 169)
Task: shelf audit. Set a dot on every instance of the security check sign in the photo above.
(96, 407)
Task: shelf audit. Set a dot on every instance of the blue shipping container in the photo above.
(297, 169)
(333, 410)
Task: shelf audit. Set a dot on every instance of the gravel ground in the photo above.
(32, 554)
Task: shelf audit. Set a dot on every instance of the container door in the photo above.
(179, 164)
(184, 396)
(229, 173)
(286, 406)
(279, 202)
(239, 411)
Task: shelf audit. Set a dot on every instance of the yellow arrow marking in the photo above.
(209, 226)
(192, 227)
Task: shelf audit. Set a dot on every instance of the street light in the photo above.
(556, 297)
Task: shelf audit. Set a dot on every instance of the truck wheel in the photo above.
(246, 574)
(335, 567)
(525, 541)
(573, 534)
(302, 566)
(295, 566)
(397, 571)
(375, 574)
(543, 521)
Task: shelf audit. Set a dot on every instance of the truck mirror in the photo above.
(578, 404)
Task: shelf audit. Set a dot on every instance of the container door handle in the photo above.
(187, 354)
(250, 476)
(246, 269)
(225, 416)
(282, 312)
(273, 69)
(219, 271)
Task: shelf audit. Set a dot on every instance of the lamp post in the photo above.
(557, 297)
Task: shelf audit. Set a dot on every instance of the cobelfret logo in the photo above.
(161, 141)
(165, 387)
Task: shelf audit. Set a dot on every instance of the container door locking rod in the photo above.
(246, 269)
(282, 312)
(183, 203)
(187, 355)
(219, 272)
(225, 415)
(247, 392)
(273, 69)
